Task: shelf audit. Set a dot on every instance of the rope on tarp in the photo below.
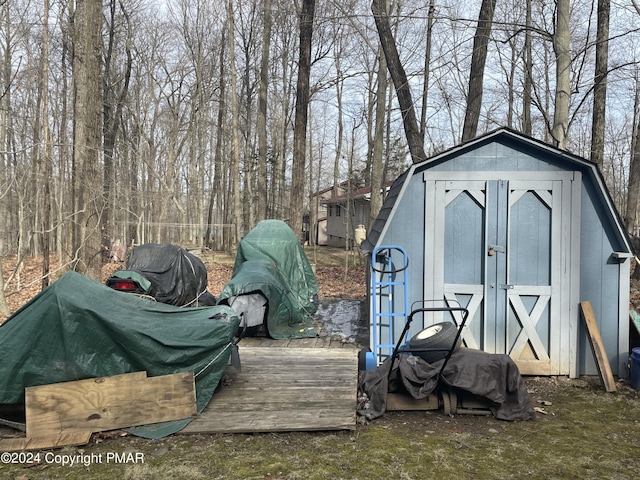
(227, 346)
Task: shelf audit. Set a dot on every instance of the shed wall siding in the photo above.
(599, 284)
(408, 230)
(496, 157)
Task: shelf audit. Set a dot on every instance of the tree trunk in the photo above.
(600, 83)
(87, 56)
(64, 232)
(339, 134)
(5, 132)
(561, 40)
(262, 202)
(234, 167)
(300, 122)
(46, 150)
(399, 77)
(633, 187)
(112, 114)
(427, 70)
(4, 308)
(220, 232)
(377, 192)
(478, 61)
(528, 73)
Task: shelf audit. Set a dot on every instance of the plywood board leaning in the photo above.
(597, 347)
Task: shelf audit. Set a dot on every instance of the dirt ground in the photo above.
(340, 274)
(547, 394)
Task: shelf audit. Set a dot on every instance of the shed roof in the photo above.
(517, 141)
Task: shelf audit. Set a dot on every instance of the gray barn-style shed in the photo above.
(519, 233)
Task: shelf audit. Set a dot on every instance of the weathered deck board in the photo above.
(305, 387)
(312, 342)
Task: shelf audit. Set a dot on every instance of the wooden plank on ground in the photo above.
(400, 401)
(44, 443)
(597, 347)
(283, 390)
(108, 403)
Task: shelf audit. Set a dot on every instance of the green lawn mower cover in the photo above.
(77, 328)
(270, 260)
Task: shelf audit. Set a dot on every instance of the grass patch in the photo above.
(587, 434)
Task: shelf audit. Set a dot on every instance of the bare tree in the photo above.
(300, 125)
(262, 202)
(115, 91)
(87, 56)
(633, 184)
(400, 81)
(528, 73)
(222, 240)
(234, 166)
(45, 151)
(561, 40)
(427, 68)
(476, 75)
(600, 83)
(167, 153)
(377, 191)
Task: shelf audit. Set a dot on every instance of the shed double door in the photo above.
(500, 247)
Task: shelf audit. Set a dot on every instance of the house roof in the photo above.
(360, 193)
(506, 136)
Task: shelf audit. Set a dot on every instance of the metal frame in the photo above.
(387, 281)
(400, 349)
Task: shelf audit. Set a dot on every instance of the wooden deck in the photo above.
(305, 384)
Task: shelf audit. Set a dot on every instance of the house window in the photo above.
(338, 211)
(330, 210)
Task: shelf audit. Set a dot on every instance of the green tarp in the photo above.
(77, 328)
(270, 260)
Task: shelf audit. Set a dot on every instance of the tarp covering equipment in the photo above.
(77, 328)
(270, 260)
(174, 275)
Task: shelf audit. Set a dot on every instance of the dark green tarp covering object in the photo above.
(271, 260)
(77, 328)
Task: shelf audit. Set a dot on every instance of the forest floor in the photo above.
(580, 430)
(340, 274)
